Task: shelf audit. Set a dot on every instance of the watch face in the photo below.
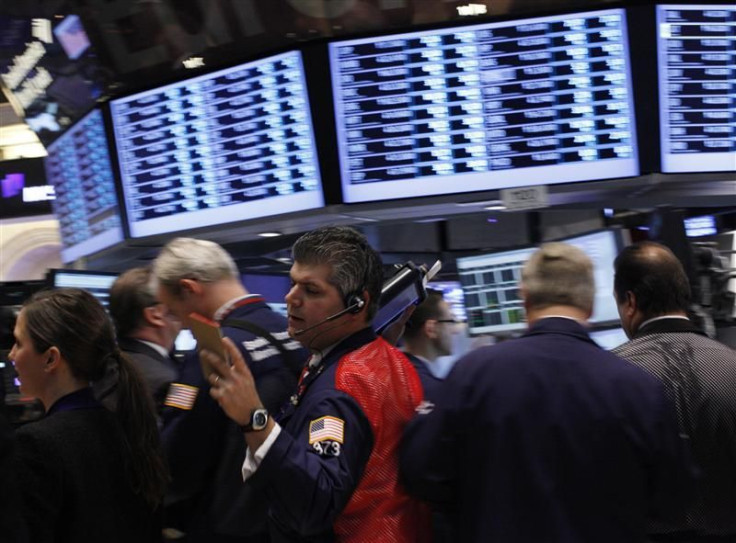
(260, 419)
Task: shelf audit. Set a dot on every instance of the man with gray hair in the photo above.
(548, 437)
(207, 499)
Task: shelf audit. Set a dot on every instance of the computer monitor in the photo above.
(97, 283)
(482, 107)
(491, 283)
(695, 51)
(233, 145)
(703, 225)
(609, 338)
(78, 166)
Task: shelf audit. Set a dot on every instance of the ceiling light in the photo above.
(270, 234)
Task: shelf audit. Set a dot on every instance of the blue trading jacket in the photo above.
(548, 438)
(206, 449)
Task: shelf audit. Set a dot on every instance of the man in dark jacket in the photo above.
(146, 330)
(653, 295)
(207, 499)
(548, 437)
(328, 463)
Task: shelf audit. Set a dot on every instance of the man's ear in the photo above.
(154, 315)
(189, 287)
(430, 328)
(630, 306)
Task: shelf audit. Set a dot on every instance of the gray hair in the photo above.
(559, 274)
(189, 258)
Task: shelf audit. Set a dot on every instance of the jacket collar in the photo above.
(559, 325)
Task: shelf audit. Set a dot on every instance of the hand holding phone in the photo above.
(209, 336)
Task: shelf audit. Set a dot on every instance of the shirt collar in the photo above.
(648, 321)
(156, 347)
(228, 306)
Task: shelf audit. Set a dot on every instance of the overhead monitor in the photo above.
(696, 46)
(229, 146)
(78, 166)
(491, 284)
(96, 283)
(482, 107)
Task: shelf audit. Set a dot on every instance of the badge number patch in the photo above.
(326, 428)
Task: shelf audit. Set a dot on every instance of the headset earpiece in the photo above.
(354, 303)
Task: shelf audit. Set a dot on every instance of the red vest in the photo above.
(386, 386)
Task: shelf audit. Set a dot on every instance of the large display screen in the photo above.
(482, 107)
(229, 146)
(78, 166)
(491, 284)
(697, 87)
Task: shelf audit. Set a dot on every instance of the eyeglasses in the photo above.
(453, 321)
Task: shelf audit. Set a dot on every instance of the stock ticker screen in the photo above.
(482, 107)
(228, 146)
(697, 87)
(491, 281)
(78, 166)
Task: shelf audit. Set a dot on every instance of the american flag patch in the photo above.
(325, 428)
(181, 396)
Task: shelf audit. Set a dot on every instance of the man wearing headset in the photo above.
(328, 462)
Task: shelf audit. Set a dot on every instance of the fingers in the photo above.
(214, 361)
(236, 359)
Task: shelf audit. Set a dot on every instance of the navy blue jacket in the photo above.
(206, 449)
(549, 438)
(430, 383)
(309, 475)
(309, 506)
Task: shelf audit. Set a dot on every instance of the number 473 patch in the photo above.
(326, 435)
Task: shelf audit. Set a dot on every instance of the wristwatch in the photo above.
(258, 420)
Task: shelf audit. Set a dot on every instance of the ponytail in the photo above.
(135, 411)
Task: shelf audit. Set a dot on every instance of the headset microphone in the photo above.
(356, 305)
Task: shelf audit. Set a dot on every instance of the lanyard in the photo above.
(309, 375)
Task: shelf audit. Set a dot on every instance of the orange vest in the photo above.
(387, 388)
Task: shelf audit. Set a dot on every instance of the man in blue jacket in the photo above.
(207, 499)
(548, 437)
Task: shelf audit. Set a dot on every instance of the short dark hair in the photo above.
(130, 295)
(355, 265)
(656, 277)
(427, 310)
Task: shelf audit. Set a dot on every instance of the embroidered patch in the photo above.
(181, 396)
(325, 428)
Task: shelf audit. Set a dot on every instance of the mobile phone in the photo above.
(209, 336)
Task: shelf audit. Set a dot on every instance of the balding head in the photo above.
(654, 275)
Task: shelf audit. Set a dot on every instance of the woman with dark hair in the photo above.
(86, 474)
